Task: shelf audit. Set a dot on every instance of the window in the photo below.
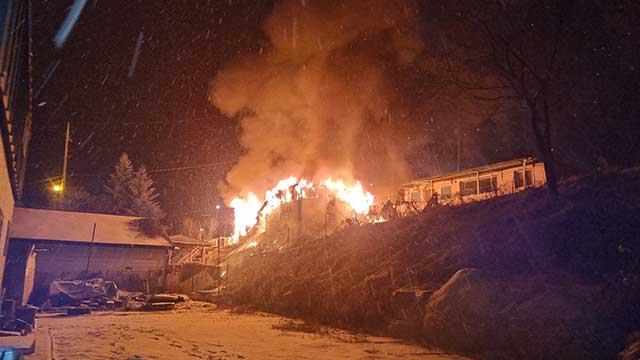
(518, 178)
(446, 192)
(488, 185)
(469, 187)
(415, 195)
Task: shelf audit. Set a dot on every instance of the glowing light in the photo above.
(245, 212)
(359, 200)
(57, 188)
(249, 211)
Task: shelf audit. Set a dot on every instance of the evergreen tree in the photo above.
(118, 186)
(143, 196)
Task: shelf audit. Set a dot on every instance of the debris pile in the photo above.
(16, 320)
(80, 297)
(82, 294)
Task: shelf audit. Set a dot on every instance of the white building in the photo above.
(15, 111)
(474, 184)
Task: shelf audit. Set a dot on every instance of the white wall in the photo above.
(7, 203)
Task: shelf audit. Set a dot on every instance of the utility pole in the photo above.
(64, 164)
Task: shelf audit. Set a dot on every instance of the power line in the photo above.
(191, 167)
(151, 171)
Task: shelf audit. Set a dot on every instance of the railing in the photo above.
(187, 257)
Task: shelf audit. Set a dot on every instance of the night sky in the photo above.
(159, 111)
(160, 115)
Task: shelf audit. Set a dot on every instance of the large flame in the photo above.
(249, 211)
(359, 200)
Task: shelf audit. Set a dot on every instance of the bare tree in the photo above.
(514, 53)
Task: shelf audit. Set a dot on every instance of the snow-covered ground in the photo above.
(206, 333)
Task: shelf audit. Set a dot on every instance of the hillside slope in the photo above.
(539, 277)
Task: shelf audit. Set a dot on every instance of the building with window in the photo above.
(15, 111)
(474, 184)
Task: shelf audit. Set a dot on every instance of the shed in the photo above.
(70, 245)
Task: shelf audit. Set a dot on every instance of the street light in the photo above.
(57, 188)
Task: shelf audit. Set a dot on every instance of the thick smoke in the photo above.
(320, 99)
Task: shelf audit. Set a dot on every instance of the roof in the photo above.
(55, 225)
(472, 171)
(186, 240)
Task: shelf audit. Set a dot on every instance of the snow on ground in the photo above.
(202, 333)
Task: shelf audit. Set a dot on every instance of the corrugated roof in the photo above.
(467, 172)
(55, 225)
(186, 240)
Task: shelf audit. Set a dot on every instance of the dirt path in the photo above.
(198, 334)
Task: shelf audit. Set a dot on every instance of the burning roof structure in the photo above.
(297, 207)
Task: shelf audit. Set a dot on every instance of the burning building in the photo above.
(297, 208)
(319, 100)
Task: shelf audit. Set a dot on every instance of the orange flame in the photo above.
(249, 210)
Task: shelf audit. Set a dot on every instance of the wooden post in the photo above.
(533, 173)
(93, 237)
(299, 218)
(524, 173)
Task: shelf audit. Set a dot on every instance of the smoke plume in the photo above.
(320, 98)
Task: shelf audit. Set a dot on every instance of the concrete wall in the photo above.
(284, 224)
(190, 277)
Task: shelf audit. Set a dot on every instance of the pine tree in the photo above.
(143, 196)
(118, 185)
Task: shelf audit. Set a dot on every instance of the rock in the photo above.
(531, 317)
(462, 314)
(403, 328)
(378, 285)
(408, 304)
(632, 351)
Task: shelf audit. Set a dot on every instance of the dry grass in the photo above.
(347, 279)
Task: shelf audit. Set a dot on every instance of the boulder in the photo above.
(535, 316)
(632, 351)
(408, 304)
